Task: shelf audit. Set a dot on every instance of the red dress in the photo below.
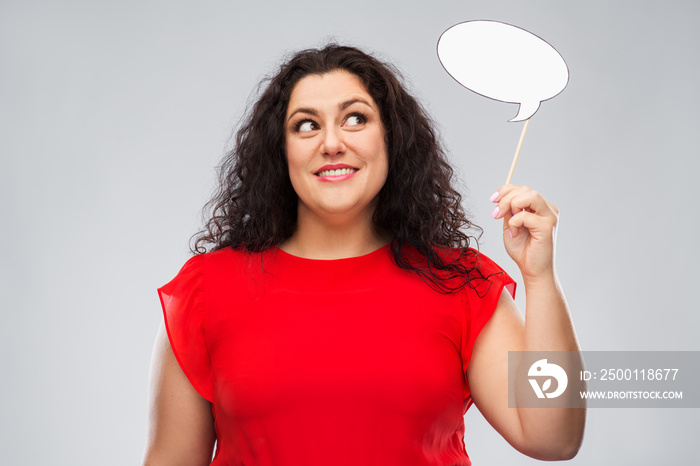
(328, 362)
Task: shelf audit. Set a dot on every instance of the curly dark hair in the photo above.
(255, 207)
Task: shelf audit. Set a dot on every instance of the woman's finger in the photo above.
(521, 198)
(502, 191)
(512, 231)
(535, 224)
(505, 201)
(530, 201)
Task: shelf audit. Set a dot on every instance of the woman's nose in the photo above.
(333, 142)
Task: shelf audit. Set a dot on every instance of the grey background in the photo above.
(114, 114)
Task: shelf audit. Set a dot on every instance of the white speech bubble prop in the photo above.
(503, 62)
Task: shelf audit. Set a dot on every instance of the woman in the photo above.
(335, 318)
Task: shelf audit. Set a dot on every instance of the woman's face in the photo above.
(335, 146)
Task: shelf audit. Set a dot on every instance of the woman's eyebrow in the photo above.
(310, 111)
(341, 106)
(348, 103)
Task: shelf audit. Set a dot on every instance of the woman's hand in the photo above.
(529, 229)
(529, 232)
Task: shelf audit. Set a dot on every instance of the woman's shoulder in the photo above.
(225, 255)
(488, 275)
(481, 271)
(229, 263)
(467, 257)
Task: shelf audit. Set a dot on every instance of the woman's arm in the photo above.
(543, 433)
(181, 426)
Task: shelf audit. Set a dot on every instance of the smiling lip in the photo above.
(342, 177)
(336, 177)
(334, 167)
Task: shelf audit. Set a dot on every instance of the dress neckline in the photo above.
(370, 255)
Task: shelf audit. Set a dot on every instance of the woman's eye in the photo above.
(355, 120)
(306, 125)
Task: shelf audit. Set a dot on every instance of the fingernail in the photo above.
(493, 197)
(494, 214)
(511, 234)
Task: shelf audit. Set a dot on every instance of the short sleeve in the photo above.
(183, 305)
(482, 299)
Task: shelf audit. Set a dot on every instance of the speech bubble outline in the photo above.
(503, 62)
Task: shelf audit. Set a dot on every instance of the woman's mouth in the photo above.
(337, 174)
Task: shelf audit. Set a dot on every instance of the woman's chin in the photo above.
(334, 212)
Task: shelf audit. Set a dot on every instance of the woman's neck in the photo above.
(334, 238)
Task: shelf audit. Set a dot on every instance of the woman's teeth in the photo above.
(337, 172)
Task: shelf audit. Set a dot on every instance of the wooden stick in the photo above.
(517, 151)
